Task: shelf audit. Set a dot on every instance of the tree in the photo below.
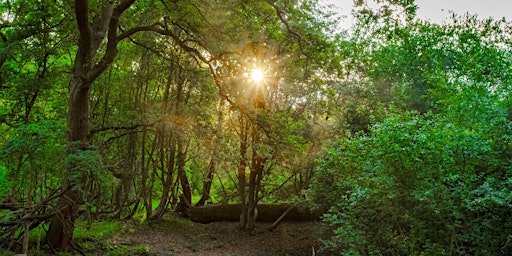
(88, 65)
(99, 34)
(121, 125)
(32, 60)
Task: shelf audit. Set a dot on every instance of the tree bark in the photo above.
(166, 157)
(208, 179)
(207, 183)
(62, 225)
(257, 165)
(186, 196)
(241, 173)
(166, 179)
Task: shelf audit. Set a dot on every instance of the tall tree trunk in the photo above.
(257, 165)
(148, 196)
(167, 155)
(166, 179)
(207, 183)
(62, 225)
(126, 176)
(241, 191)
(210, 172)
(185, 185)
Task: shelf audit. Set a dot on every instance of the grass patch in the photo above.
(100, 235)
(96, 230)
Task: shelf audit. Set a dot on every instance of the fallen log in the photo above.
(266, 213)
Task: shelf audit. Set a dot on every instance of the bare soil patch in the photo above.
(177, 236)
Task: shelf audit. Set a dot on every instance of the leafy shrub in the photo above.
(31, 154)
(418, 185)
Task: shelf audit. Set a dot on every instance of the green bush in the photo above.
(418, 185)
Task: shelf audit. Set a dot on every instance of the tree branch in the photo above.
(122, 7)
(112, 41)
(149, 48)
(123, 134)
(84, 29)
(28, 212)
(280, 14)
(117, 128)
(100, 26)
(159, 29)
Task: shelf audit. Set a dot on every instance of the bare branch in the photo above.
(29, 212)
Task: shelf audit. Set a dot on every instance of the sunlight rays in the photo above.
(257, 75)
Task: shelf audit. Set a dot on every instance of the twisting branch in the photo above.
(281, 15)
(151, 49)
(160, 29)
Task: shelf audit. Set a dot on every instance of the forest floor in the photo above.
(177, 236)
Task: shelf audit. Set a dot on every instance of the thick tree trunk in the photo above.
(60, 232)
(62, 225)
(85, 71)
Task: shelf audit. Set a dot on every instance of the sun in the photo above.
(257, 75)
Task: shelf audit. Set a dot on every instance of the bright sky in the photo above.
(438, 10)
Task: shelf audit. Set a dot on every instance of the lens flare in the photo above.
(257, 75)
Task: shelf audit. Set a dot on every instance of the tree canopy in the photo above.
(397, 129)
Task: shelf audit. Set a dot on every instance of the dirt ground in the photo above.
(177, 236)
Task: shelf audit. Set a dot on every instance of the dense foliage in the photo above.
(434, 176)
(400, 130)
